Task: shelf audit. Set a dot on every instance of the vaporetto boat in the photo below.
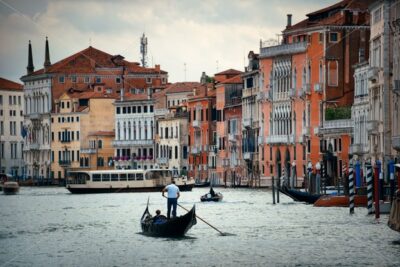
(119, 181)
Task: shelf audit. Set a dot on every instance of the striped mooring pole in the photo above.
(323, 170)
(351, 189)
(369, 188)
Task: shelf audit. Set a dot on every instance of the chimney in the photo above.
(47, 56)
(289, 20)
(194, 91)
(30, 68)
(157, 67)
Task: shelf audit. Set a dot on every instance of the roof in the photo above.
(90, 60)
(236, 79)
(181, 87)
(330, 16)
(229, 72)
(10, 85)
(90, 94)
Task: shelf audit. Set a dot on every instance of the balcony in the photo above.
(307, 88)
(34, 116)
(396, 87)
(246, 155)
(358, 149)
(280, 139)
(88, 151)
(212, 148)
(65, 141)
(64, 163)
(373, 127)
(196, 123)
(373, 74)
(162, 161)
(205, 148)
(195, 150)
(264, 96)
(160, 112)
(34, 146)
(232, 137)
(247, 122)
(305, 131)
(292, 93)
(318, 88)
(396, 142)
(260, 140)
(284, 49)
(128, 143)
(344, 126)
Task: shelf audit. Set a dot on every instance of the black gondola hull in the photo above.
(176, 227)
(300, 196)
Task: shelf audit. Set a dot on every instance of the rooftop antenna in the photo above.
(184, 69)
(143, 50)
(217, 65)
(90, 41)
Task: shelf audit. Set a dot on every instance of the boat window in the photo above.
(105, 177)
(131, 176)
(114, 177)
(96, 177)
(139, 176)
(122, 176)
(153, 175)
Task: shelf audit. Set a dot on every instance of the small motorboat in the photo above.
(162, 227)
(10, 188)
(300, 196)
(212, 196)
(340, 201)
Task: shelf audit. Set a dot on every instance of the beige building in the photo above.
(11, 122)
(81, 126)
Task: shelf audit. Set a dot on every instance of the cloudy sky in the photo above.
(204, 35)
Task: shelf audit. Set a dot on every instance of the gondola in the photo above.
(212, 196)
(175, 227)
(300, 196)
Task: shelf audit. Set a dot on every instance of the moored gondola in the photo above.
(175, 227)
(212, 196)
(300, 196)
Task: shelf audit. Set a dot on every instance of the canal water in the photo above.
(51, 227)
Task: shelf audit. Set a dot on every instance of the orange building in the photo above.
(308, 78)
(229, 128)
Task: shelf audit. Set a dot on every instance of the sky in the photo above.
(185, 37)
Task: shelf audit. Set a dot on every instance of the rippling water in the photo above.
(51, 227)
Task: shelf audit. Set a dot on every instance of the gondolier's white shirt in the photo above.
(172, 190)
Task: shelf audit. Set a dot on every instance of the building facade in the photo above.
(11, 128)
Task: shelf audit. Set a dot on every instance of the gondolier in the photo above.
(173, 195)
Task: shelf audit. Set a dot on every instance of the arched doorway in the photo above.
(330, 161)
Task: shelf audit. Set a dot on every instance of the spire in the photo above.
(47, 56)
(30, 67)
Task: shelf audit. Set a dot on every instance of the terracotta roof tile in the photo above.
(181, 87)
(9, 85)
(236, 79)
(229, 72)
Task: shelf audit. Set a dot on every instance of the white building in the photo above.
(37, 98)
(395, 26)
(12, 117)
(134, 132)
(360, 113)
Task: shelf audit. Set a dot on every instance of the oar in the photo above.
(221, 233)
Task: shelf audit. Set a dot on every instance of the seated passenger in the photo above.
(158, 219)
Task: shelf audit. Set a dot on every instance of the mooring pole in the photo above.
(376, 191)
(391, 174)
(277, 191)
(369, 187)
(273, 190)
(351, 189)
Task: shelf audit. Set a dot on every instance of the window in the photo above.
(87, 79)
(98, 79)
(145, 109)
(321, 37)
(19, 100)
(139, 109)
(1, 100)
(176, 152)
(377, 16)
(62, 104)
(73, 78)
(118, 80)
(68, 106)
(118, 110)
(100, 144)
(333, 73)
(148, 80)
(10, 100)
(61, 79)
(77, 135)
(376, 52)
(333, 37)
(151, 108)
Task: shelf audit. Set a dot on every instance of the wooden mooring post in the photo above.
(273, 190)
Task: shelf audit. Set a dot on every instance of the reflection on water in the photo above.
(50, 227)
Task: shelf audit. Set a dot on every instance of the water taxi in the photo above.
(118, 181)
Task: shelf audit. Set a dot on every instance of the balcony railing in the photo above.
(338, 124)
(247, 122)
(260, 140)
(305, 131)
(34, 116)
(212, 148)
(34, 146)
(65, 141)
(232, 137)
(335, 127)
(195, 149)
(373, 126)
(280, 139)
(162, 160)
(122, 143)
(292, 93)
(247, 155)
(373, 74)
(88, 151)
(283, 49)
(196, 123)
(358, 149)
(64, 162)
(396, 142)
(318, 88)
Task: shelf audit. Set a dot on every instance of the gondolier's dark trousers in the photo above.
(172, 202)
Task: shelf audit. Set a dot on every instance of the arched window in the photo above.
(100, 144)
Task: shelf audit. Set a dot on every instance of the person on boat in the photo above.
(159, 219)
(173, 195)
(212, 192)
